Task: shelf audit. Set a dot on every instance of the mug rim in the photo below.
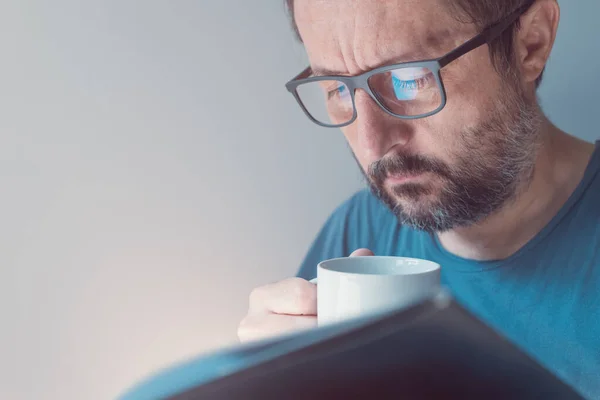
(430, 266)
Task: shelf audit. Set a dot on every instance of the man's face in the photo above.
(441, 172)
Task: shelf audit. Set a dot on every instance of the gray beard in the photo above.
(498, 161)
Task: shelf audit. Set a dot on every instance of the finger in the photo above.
(294, 296)
(362, 253)
(263, 326)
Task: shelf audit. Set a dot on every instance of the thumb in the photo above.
(362, 253)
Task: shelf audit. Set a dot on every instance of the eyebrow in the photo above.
(434, 44)
(403, 58)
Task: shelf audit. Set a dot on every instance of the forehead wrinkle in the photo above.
(379, 38)
(315, 25)
(374, 52)
(359, 37)
(348, 47)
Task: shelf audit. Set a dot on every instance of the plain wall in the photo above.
(154, 170)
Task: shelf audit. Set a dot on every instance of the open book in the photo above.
(432, 350)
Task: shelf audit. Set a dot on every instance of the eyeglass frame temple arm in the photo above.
(488, 35)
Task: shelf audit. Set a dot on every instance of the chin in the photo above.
(413, 195)
(415, 209)
(424, 213)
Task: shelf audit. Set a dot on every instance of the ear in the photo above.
(535, 39)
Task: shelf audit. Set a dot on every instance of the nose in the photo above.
(377, 131)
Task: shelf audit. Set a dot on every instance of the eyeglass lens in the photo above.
(408, 91)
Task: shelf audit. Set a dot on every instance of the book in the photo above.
(434, 349)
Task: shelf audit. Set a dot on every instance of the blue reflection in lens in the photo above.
(405, 90)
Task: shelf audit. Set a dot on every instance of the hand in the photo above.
(283, 307)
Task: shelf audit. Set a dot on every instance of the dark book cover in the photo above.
(432, 350)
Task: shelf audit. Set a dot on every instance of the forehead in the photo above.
(351, 36)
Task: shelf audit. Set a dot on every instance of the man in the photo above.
(463, 166)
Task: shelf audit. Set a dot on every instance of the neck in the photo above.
(560, 165)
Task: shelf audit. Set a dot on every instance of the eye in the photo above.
(408, 82)
(408, 74)
(340, 90)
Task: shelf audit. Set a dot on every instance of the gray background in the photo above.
(154, 170)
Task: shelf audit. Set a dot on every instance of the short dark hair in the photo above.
(481, 13)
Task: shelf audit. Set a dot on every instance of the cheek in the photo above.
(472, 92)
(351, 134)
(472, 86)
(436, 136)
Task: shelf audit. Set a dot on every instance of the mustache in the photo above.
(406, 165)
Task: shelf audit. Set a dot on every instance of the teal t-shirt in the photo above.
(545, 298)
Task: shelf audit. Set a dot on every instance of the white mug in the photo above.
(354, 286)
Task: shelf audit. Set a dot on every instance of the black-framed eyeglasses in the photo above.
(407, 90)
